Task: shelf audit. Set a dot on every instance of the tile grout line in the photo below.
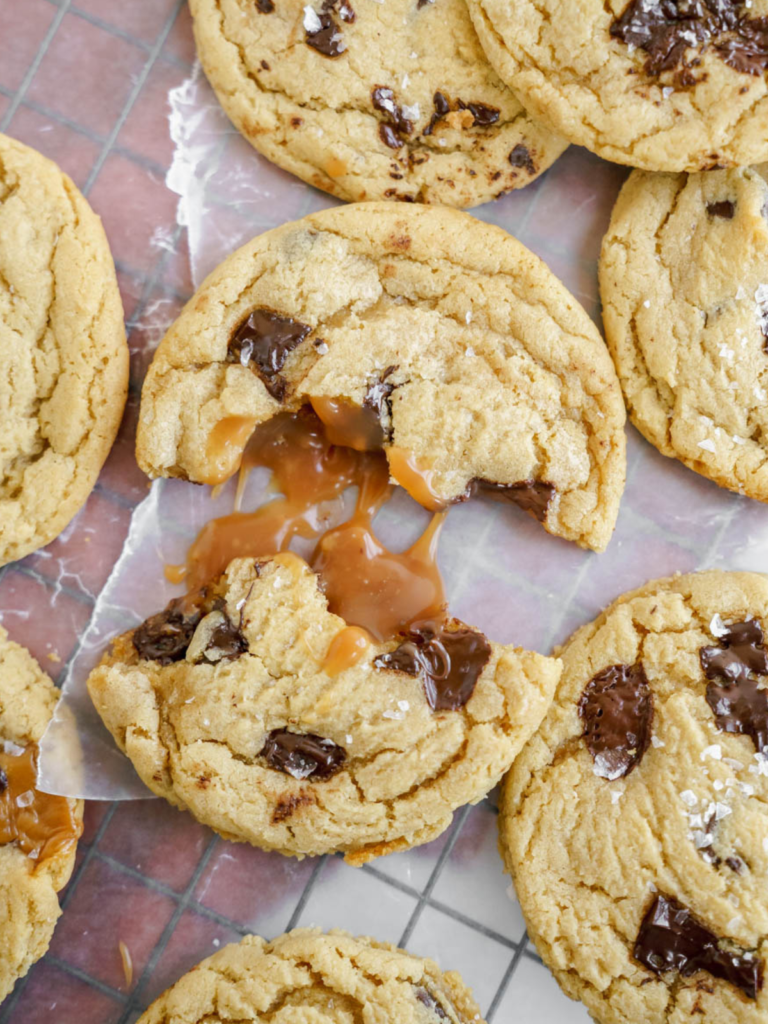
(36, 62)
(298, 910)
(134, 94)
(506, 980)
(461, 818)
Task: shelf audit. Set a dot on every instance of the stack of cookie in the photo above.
(332, 705)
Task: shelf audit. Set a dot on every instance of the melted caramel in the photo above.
(225, 447)
(346, 649)
(41, 825)
(414, 478)
(353, 426)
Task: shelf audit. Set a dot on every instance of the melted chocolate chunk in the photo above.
(227, 641)
(666, 29)
(327, 39)
(378, 394)
(165, 637)
(449, 663)
(532, 496)
(303, 756)
(397, 124)
(737, 702)
(736, 864)
(265, 339)
(740, 652)
(3, 781)
(617, 711)
(483, 114)
(521, 157)
(442, 107)
(427, 999)
(672, 939)
(265, 6)
(725, 209)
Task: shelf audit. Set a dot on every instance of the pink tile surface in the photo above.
(143, 20)
(20, 37)
(71, 150)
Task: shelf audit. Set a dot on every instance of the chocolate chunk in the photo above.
(482, 113)
(740, 653)
(667, 29)
(672, 939)
(617, 711)
(303, 756)
(227, 641)
(725, 209)
(736, 864)
(265, 6)
(449, 663)
(265, 339)
(345, 9)
(532, 496)
(427, 999)
(327, 39)
(521, 157)
(423, 3)
(165, 637)
(442, 107)
(397, 124)
(3, 781)
(378, 394)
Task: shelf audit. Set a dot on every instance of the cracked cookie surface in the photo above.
(306, 975)
(63, 355)
(31, 872)
(661, 85)
(371, 101)
(684, 283)
(634, 822)
(239, 722)
(492, 374)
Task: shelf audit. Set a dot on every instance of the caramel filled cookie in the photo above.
(63, 356)
(371, 100)
(38, 832)
(634, 822)
(314, 977)
(277, 723)
(684, 283)
(463, 356)
(664, 85)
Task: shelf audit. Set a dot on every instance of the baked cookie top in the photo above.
(306, 975)
(63, 356)
(38, 833)
(634, 822)
(244, 709)
(684, 282)
(483, 370)
(664, 85)
(368, 100)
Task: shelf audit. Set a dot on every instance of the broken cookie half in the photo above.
(419, 330)
(276, 723)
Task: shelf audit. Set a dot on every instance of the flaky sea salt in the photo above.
(707, 445)
(311, 21)
(714, 751)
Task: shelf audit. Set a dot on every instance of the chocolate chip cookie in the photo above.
(276, 723)
(479, 370)
(310, 976)
(371, 100)
(63, 356)
(634, 822)
(684, 282)
(663, 85)
(38, 832)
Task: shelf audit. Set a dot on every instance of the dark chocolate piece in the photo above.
(3, 781)
(303, 756)
(427, 999)
(532, 496)
(165, 637)
(265, 339)
(265, 6)
(228, 641)
(617, 711)
(521, 157)
(725, 208)
(667, 29)
(397, 124)
(378, 394)
(740, 652)
(449, 663)
(672, 939)
(736, 864)
(482, 113)
(442, 107)
(328, 39)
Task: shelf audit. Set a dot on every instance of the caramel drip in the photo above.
(225, 446)
(353, 426)
(346, 649)
(41, 825)
(415, 479)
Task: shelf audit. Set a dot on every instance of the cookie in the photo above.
(63, 355)
(482, 371)
(266, 716)
(306, 975)
(371, 101)
(663, 85)
(38, 832)
(634, 822)
(684, 282)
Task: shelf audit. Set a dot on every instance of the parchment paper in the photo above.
(503, 572)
